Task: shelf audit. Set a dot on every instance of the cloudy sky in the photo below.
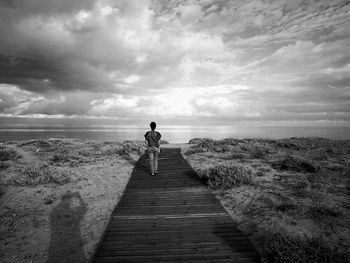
(265, 60)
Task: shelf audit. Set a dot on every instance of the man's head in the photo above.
(153, 125)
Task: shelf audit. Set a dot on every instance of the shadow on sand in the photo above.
(128, 158)
(65, 241)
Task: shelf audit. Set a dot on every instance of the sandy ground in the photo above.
(62, 220)
(59, 223)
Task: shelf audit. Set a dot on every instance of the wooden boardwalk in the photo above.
(171, 217)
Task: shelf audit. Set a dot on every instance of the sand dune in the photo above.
(289, 196)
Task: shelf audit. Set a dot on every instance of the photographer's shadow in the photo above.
(65, 242)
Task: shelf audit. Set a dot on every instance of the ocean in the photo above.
(170, 133)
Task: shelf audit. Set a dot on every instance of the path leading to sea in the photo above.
(171, 217)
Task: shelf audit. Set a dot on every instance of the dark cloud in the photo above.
(46, 7)
(232, 60)
(63, 104)
(45, 75)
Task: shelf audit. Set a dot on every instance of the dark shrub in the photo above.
(210, 145)
(71, 159)
(259, 151)
(322, 210)
(280, 248)
(39, 174)
(200, 140)
(295, 164)
(228, 176)
(8, 154)
(131, 148)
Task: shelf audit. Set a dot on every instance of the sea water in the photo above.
(170, 133)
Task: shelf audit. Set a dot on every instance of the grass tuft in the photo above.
(68, 158)
(295, 164)
(8, 154)
(209, 145)
(49, 199)
(200, 140)
(131, 148)
(280, 248)
(320, 211)
(5, 164)
(226, 177)
(41, 174)
(126, 148)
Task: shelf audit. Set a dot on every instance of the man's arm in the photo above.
(146, 139)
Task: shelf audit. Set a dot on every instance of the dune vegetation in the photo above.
(46, 185)
(290, 196)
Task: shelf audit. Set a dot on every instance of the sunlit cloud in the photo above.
(228, 60)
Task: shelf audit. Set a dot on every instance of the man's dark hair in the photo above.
(153, 125)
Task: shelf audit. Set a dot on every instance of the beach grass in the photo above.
(289, 195)
(225, 177)
(36, 175)
(40, 174)
(8, 154)
(282, 248)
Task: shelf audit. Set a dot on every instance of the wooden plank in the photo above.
(172, 245)
(233, 256)
(171, 217)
